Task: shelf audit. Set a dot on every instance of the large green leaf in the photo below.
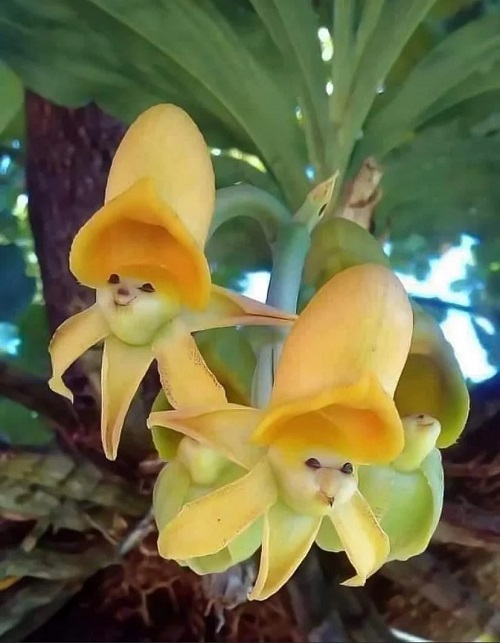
(130, 55)
(463, 53)
(295, 35)
(384, 29)
(230, 171)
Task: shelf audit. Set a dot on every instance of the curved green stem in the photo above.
(250, 201)
(290, 254)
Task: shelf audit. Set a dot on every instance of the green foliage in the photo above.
(16, 288)
(12, 101)
(230, 357)
(21, 427)
(172, 54)
(34, 336)
(241, 69)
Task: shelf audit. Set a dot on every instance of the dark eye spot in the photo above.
(113, 279)
(347, 468)
(147, 287)
(421, 416)
(312, 463)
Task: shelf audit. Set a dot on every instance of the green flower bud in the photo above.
(339, 244)
(174, 488)
(432, 382)
(408, 505)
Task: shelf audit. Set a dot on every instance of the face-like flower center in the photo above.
(421, 434)
(314, 482)
(204, 464)
(134, 310)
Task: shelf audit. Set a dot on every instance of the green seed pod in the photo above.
(432, 382)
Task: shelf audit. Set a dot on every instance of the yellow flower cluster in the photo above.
(344, 454)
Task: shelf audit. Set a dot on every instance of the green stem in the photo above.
(290, 253)
(250, 201)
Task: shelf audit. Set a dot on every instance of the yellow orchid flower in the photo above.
(432, 382)
(406, 495)
(194, 470)
(143, 254)
(331, 409)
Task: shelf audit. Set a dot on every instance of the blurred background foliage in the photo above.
(284, 98)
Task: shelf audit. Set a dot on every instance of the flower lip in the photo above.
(359, 422)
(131, 236)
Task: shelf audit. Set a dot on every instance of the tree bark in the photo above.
(69, 153)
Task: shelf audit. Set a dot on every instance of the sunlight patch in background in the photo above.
(456, 326)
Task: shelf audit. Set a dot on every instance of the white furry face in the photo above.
(315, 481)
(134, 310)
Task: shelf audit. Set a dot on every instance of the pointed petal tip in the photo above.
(227, 308)
(355, 581)
(58, 386)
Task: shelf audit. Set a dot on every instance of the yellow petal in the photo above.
(225, 428)
(349, 344)
(185, 378)
(213, 564)
(360, 321)
(169, 492)
(364, 541)
(73, 337)
(165, 145)
(359, 422)
(123, 368)
(208, 524)
(139, 235)
(287, 539)
(227, 308)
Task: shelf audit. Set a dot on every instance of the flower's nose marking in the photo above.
(123, 292)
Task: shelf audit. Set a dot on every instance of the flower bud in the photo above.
(432, 382)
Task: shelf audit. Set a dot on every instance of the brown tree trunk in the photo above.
(69, 152)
